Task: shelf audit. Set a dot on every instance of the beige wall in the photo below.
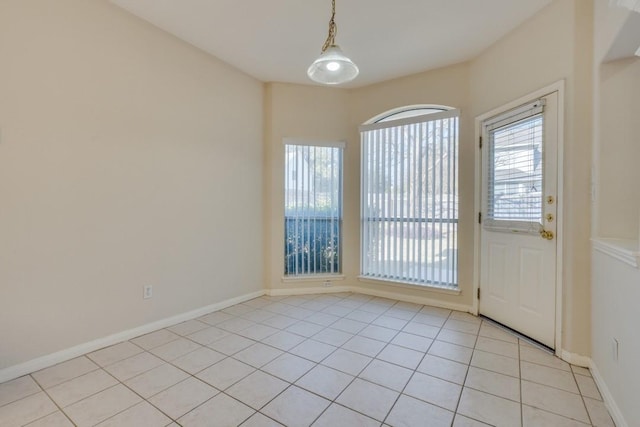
(119, 145)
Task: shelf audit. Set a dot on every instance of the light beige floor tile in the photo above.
(379, 333)
(64, 371)
(412, 412)
(57, 419)
(598, 412)
(490, 409)
(282, 322)
(298, 313)
(305, 329)
(466, 317)
(296, 407)
(434, 390)
(541, 357)
(443, 368)
(156, 380)
(135, 365)
(314, 305)
(398, 313)
(101, 406)
(367, 346)
(386, 374)
(17, 389)
(225, 373)
(337, 415)
(495, 346)
(188, 327)
(231, 344)
(332, 337)
(580, 371)
(81, 387)
(155, 339)
(142, 414)
(421, 329)
(347, 361)
(198, 360)
(588, 387)
(207, 336)
(456, 337)
(414, 342)
(361, 316)
(428, 319)
(183, 397)
(259, 420)
(238, 309)
(548, 376)
(454, 352)
(220, 411)
(257, 355)
(283, 340)
(496, 363)
(114, 353)
(401, 356)
(534, 417)
(337, 310)
(435, 311)
(462, 326)
(322, 319)
(313, 350)
(259, 315)
(235, 325)
(325, 382)
(288, 367)
(493, 383)
(258, 332)
(490, 331)
(390, 322)
(462, 421)
(215, 318)
(174, 349)
(368, 398)
(553, 400)
(373, 308)
(257, 389)
(26, 410)
(349, 325)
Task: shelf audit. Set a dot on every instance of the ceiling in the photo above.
(276, 40)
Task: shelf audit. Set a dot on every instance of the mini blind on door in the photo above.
(313, 208)
(515, 170)
(409, 200)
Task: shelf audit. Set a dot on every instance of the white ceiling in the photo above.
(276, 40)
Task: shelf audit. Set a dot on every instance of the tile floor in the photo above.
(321, 360)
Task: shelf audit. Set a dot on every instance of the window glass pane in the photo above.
(313, 209)
(515, 172)
(410, 202)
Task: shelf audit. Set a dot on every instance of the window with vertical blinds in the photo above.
(409, 200)
(514, 169)
(313, 208)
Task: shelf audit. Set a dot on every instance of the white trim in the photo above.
(313, 142)
(576, 359)
(624, 250)
(609, 402)
(559, 87)
(39, 363)
(312, 278)
(410, 120)
(279, 292)
(409, 285)
(404, 108)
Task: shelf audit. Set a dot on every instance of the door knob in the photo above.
(545, 234)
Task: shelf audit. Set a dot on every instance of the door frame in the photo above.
(558, 87)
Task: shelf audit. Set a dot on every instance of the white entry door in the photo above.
(518, 219)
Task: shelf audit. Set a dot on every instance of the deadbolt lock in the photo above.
(545, 234)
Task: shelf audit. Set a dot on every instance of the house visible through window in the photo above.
(409, 198)
(313, 208)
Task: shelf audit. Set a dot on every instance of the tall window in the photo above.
(313, 208)
(409, 199)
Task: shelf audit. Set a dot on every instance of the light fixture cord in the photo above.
(333, 29)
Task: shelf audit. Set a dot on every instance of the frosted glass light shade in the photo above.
(332, 67)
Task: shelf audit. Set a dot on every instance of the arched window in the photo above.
(409, 196)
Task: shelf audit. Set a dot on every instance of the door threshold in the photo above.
(519, 335)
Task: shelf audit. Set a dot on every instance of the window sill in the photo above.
(625, 250)
(313, 278)
(407, 285)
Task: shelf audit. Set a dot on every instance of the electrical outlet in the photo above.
(147, 291)
(327, 284)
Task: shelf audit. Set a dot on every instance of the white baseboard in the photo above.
(609, 402)
(33, 365)
(307, 291)
(575, 359)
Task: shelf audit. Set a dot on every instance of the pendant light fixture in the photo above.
(332, 66)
